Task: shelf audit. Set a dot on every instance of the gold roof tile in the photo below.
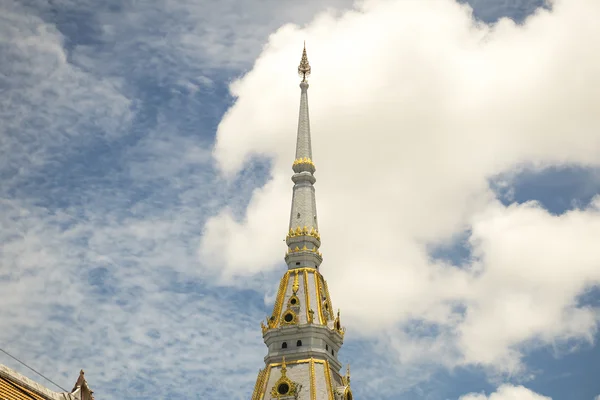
(10, 390)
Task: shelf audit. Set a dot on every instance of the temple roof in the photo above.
(10, 390)
(14, 386)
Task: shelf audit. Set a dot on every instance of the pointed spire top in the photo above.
(304, 67)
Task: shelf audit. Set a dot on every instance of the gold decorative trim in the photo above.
(304, 248)
(293, 321)
(303, 161)
(283, 380)
(302, 361)
(348, 375)
(264, 328)
(348, 393)
(259, 383)
(337, 325)
(328, 380)
(274, 320)
(309, 317)
(295, 286)
(281, 295)
(313, 381)
(303, 231)
(319, 300)
(328, 296)
(266, 381)
(289, 302)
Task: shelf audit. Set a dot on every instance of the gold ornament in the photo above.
(284, 387)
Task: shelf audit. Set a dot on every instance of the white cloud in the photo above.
(414, 107)
(507, 392)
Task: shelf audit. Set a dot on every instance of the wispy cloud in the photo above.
(109, 113)
(48, 106)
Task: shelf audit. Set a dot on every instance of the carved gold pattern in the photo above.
(263, 388)
(297, 249)
(328, 296)
(283, 380)
(293, 321)
(313, 381)
(264, 327)
(348, 375)
(303, 161)
(309, 317)
(337, 325)
(318, 294)
(295, 286)
(325, 363)
(259, 384)
(280, 295)
(304, 231)
(289, 302)
(348, 393)
(328, 379)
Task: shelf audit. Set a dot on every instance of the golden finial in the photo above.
(304, 67)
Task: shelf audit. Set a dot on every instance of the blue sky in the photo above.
(145, 153)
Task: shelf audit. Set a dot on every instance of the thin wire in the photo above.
(49, 380)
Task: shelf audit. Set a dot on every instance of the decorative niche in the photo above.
(289, 317)
(285, 388)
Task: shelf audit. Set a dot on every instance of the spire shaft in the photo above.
(303, 237)
(303, 145)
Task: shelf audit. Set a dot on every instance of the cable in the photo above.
(49, 380)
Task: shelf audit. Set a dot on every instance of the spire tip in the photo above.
(304, 67)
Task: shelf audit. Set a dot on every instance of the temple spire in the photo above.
(303, 335)
(303, 238)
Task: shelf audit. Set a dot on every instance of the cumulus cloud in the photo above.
(415, 107)
(507, 392)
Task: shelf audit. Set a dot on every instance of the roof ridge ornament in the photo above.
(304, 67)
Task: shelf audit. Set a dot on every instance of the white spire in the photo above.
(303, 238)
(303, 336)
